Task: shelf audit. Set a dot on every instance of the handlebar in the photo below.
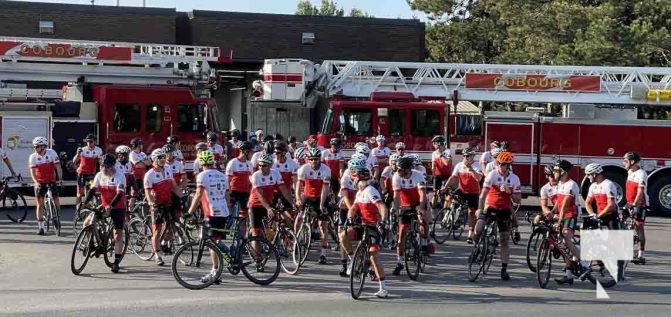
(18, 178)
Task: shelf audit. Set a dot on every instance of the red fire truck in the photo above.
(66, 89)
(582, 114)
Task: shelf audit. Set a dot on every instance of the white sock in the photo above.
(470, 233)
(399, 259)
(568, 273)
(349, 258)
(324, 252)
(214, 271)
(382, 285)
(40, 224)
(640, 253)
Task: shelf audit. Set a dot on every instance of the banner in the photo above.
(32, 50)
(533, 82)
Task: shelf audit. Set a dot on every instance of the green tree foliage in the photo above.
(327, 8)
(559, 32)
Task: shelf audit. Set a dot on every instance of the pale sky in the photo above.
(378, 8)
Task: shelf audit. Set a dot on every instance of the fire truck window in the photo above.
(469, 124)
(154, 118)
(396, 122)
(425, 122)
(126, 118)
(358, 121)
(191, 118)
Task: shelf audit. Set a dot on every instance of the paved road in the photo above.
(35, 279)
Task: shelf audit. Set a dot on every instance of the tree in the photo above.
(327, 8)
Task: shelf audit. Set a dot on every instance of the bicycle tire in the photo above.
(139, 238)
(57, 222)
(85, 233)
(544, 256)
(196, 255)
(460, 221)
(78, 219)
(290, 258)
(359, 271)
(438, 223)
(109, 257)
(48, 216)
(305, 239)
(492, 243)
(476, 258)
(532, 246)
(17, 201)
(606, 282)
(411, 256)
(266, 247)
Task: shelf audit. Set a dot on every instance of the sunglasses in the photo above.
(39, 146)
(264, 165)
(161, 157)
(504, 165)
(313, 159)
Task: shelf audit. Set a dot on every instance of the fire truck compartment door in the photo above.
(18, 132)
(522, 138)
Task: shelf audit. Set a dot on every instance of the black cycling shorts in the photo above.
(41, 190)
(257, 214)
(118, 218)
(407, 214)
(83, 179)
(241, 198)
(501, 216)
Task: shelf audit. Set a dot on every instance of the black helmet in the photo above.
(235, 133)
(90, 137)
(211, 136)
(362, 173)
(246, 146)
(563, 165)
(505, 145)
(292, 139)
(468, 151)
(548, 169)
(168, 148)
(438, 139)
(632, 156)
(268, 147)
(405, 162)
(336, 142)
(135, 142)
(268, 138)
(280, 147)
(172, 139)
(278, 136)
(108, 160)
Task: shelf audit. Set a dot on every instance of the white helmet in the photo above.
(358, 156)
(122, 149)
(363, 149)
(156, 153)
(40, 140)
(593, 168)
(400, 145)
(380, 138)
(415, 159)
(495, 151)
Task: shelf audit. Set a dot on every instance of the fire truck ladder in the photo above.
(618, 85)
(35, 59)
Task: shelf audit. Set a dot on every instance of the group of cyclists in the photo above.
(373, 183)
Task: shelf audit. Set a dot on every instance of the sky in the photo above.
(378, 8)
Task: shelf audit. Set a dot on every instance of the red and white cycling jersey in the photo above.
(420, 169)
(467, 182)
(44, 166)
(366, 200)
(636, 180)
(178, 155)
(381, 155)
(287, 170)
(549, 192)
(571, 191)
(266, 184)
(238, 174)
(499, 199)
(177, 169)
(602, 192)
(371, 162)
(218, 151)
(347, 189)
(88, 160)
(256, 156)
(125, 169)
(138, 169)
(214, 185)
(159, 181)
(314, 180)
(440, 169)
(386, 176)
(332, 160)
(486, 157)
(408, 188)
(234, 146)
(109, 186)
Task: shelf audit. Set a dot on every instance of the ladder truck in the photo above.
(583, 114)
(66, 89)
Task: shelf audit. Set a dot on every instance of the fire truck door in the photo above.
(382, 122)
(523, 140)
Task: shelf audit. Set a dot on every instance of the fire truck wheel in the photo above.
(619, 179)
(660, 197)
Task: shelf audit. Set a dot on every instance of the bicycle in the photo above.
(627, 223)
(191, 254)
(453, 219)
(361, 260)
(51, 213)
(82, 212)
(140, 233)
(413, 253)
(13, 202)
(96, 239)
(277, 231)
(483, 251)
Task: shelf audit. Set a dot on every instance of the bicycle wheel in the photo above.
(357, 277)
(412, 256)
(289, 251)
(442, 226)
(14, 204)
(79, 217)
(305, 240)
(109, 255)
(263, 258)
(601, 274)
(492, 243)
(139, 239)
(57, 218)
(192, 265)
(83, 247)
(460, 223)
(48, 215)
(532, 248)
(544, 263)
(476, 259)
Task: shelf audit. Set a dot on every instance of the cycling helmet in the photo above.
(135, 142)
(632, 156)
(246, 146)
(168, 148)
(494, 144)
(235, 133)
(549, 170)
(394, 157)
(415, 159)
(211, 137)
(265, 159)
(122, 149)
(156, 153)
(90, 137)
(172, 139)
(505, 158)
(108, 160)
(593, 168)
(268, 138)
(300, 152)
(292, 139)
(400, 145)
(336, 142)
(405, 162)
(363, 149)
(469, 151)
(362, 173)
(278, 136)
(380, 138)
(201, 146)
(354, 164)
(40, 141)
(505, 145)
(268, 147)
(281, 147)
(206, 158)
(563, 165)
(438, 139)
(314, 152)
(359, 156)
(495, 152)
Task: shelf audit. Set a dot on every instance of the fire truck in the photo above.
(66, 89)
(582, 114)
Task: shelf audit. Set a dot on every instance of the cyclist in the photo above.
(218, 150)
(386, 176)
(568, 207)
(140, 163)
(124, 167)
(159, 186)
(467, 174)
(268, 149)
(200, 147)
(488, 156)
(400, 148)
(335, 160)
(264, 183)
(441, 162)
(291, 142)
(500, 189)
(5, 159)
(381, 153)
(417, 164)
(175, 141)
(409, 195)
(111, 184)
(299, 156)
(287, 168)
(46, 172)
(548, 193)
(212, 197)
(175, 166)
(234, 143)
(312, 190)
(238, 171)
(493, 164)
(368, 204)
(637, 198)
(347, 194)
(87, 157)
